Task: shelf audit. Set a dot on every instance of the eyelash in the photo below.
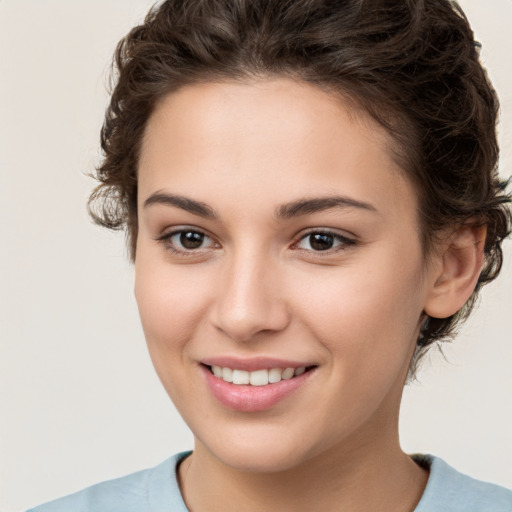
(165, 240)
(345, 242)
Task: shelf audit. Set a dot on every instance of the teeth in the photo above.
(288, 373)
(258, 377)
(275, 375)
(227, 374)
(239, 376)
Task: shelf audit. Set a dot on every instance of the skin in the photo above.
(256, 287)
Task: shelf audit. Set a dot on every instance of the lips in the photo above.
(254, 385)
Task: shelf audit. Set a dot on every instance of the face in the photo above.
(277, 232)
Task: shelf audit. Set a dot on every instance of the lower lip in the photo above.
(245, 398)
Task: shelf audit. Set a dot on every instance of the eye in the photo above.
(187, 241)
(322, 241)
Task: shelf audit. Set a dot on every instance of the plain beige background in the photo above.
(79, 399)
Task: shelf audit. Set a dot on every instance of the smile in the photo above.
(254, 390)
(257, 377)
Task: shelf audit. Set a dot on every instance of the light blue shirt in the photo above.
(156, 490)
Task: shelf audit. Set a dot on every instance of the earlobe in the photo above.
(460, 264)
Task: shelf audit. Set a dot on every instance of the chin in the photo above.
(259, 460)
(259, 452)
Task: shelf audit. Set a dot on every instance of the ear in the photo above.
(457, 269)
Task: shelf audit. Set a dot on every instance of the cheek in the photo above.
(171, 302)
(171, 306)
(368, 310)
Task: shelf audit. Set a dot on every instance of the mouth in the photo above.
(262, 377)
(254, 388)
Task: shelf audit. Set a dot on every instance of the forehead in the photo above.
(290, 137)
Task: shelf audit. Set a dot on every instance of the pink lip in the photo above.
(246, 398)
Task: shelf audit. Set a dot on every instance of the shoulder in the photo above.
(450, 491)
(150, 490)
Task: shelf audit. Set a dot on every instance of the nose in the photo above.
(249, 300)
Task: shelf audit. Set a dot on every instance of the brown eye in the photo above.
(319, 241)
(191, 239)
(187, 241)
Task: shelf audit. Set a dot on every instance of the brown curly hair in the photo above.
(411, 64)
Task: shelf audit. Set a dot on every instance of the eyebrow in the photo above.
(303, 206)
(184, 203)
(307, 206)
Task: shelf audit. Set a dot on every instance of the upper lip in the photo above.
(253, 363)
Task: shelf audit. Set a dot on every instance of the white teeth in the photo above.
(288, 373)
(240, 377)
(258, 377)
(227, 374)
(274, 375)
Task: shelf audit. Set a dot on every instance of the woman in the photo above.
(311, 201)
